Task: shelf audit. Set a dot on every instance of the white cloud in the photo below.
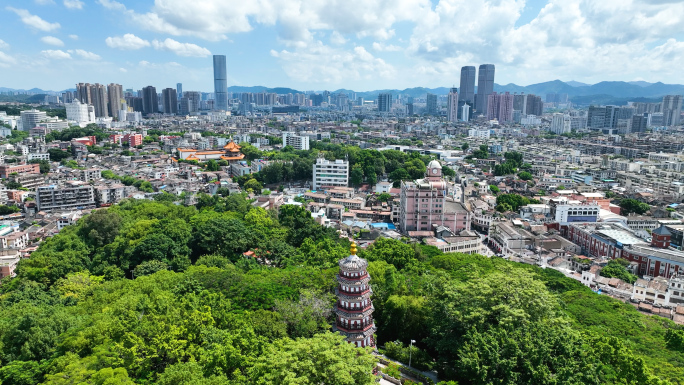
(56, 54)
(85, 54)
(181, 49)
(51, 40)
(587, 40)
(112, 5)
(385, 47)
(337, 38)
(73, 37)
(44, 2)
(33, 20)
(73, 4)
(3, 45)
(6, 60)
(123, 70)
(581, 39)
(126, 42)
(296, 19)
(319, 63)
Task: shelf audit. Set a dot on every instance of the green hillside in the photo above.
(154, 293)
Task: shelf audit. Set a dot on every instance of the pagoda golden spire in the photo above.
(352, 249)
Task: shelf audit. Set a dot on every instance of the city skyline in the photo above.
(51, 44)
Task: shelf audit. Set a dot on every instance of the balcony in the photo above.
(353, 293)
(345, 276)
(354, 310)
(355, 328)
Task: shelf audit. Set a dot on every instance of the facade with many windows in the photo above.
(332, 173)
(424, 203)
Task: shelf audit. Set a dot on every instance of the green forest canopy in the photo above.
(198, 312)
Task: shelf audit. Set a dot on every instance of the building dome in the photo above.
(434, 164)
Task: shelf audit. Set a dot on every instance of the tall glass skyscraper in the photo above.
(220, 83)
(467, 86)
(485, 87)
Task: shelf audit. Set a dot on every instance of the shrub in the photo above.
(419, 358)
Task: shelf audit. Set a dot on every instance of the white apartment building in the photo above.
(530, 120)
(296, 141)
(45, 156)
(561, 124)
(664, 157)
(79, 112)
(330, 173)
(53, 124)
(31, 118)
(74, 195)
(482, 134)
(91, 174)
(110, 194)
(570, 213)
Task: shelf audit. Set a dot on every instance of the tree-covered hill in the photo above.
(155, 293)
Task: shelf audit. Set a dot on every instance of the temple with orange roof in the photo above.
(231, 153)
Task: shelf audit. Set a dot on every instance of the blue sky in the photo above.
(331, 44)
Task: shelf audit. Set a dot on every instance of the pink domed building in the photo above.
(354, 308)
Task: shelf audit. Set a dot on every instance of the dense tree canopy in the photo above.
(617, 269)
(512, 202)
(633, 206)
(148, 292)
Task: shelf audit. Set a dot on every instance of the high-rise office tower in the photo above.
(672, 109)
(114, 96)
(170, 101)
(452, 105)
(485, 86)
(150, 100)
(384, 102)
(179, 90)
(640, 122)
(431, 103)
(220, 83)
(467, 86)
(596, 117)
(98, 98)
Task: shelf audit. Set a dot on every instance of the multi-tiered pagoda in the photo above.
(354, 308)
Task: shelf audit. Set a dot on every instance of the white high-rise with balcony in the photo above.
(79, 112)
(297, 141)
(330, 173)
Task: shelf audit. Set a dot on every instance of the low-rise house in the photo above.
(9, 259)
(15, 240)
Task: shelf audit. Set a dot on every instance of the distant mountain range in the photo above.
(603, 92)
